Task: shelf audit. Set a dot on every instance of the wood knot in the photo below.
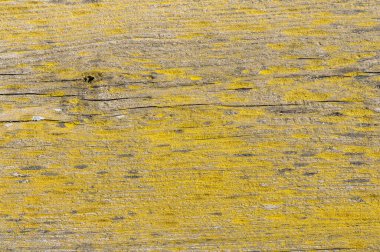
(89, 78)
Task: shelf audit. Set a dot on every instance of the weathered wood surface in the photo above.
(189, 125)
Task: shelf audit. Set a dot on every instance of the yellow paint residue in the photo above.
(208, 125)
(279, 70)
(305, 95)
(303, 31)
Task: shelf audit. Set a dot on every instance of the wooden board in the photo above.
(213, 125)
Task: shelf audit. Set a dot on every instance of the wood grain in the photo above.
(214, 125)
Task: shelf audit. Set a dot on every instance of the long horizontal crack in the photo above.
(20, 94)
(72, 95)
(11, 74)
(322, 76)
(26, 121)
(234, 106)
(116, 99)
(37, 94)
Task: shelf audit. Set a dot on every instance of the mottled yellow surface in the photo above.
(213, 125)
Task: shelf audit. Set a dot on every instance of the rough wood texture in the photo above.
(189, 125)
